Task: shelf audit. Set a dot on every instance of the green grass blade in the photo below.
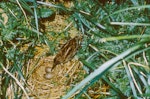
(102, 69)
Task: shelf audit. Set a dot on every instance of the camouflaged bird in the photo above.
(68, 51)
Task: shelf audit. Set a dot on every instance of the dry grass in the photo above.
(64, 76)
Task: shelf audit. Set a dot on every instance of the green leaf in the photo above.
(44, 12)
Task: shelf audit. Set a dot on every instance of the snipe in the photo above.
(67, 51)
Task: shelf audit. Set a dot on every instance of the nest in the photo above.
(63, 77)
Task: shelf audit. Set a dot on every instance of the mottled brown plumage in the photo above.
(67, 51)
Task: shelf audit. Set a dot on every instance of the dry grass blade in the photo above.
(19, 84)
